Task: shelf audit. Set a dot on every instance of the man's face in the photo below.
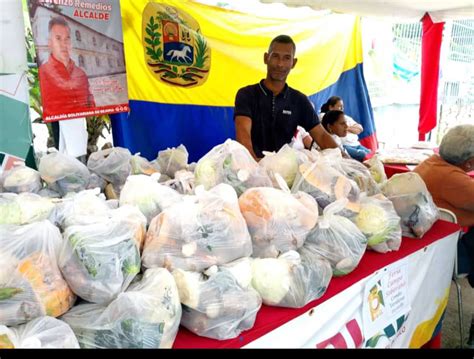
(279, 61)
(60, 43)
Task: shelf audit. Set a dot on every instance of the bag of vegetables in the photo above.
(278, 221)
(172, 160)
(337, 239)
(24, 208)
(21, 179)
(230, 163)
(292, 280)
(413, 203)
(146, 315)
(148, 195)
(380, 223)
(42, 332)
(200, 231)
(63, 173)
(215, 305)
(99, 260)
(31, 284)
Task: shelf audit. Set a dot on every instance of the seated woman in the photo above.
(335, 123)
(351, 140)
(452, 188)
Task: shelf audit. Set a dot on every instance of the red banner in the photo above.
(81, 65)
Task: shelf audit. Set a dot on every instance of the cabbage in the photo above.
(284, 162)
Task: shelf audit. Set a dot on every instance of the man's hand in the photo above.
(243, 128)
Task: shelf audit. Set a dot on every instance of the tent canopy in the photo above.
(439, 10)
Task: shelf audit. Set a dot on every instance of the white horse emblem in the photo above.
(180, 55)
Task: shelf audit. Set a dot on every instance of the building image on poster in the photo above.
(81, 65)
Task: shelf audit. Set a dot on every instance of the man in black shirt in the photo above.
(267, 114)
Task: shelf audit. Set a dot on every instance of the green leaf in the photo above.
(149, 41)
(152, 20)
(175, 69)
(149, 32)
(372, 342)
(7, 293)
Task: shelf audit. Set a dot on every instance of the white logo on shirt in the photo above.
(286, 112)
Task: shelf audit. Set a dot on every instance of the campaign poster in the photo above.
(80, 57)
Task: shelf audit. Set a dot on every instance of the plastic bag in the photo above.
(64, 173)
(99, 260)
(140, 165)
(217, 306)
(376, 169)
(42, 332)
(112, 164)
(413, 203)
(183, 182)
(148, 195)
(326, 185)
(172, 160)
(24, 208)
(284, 162)
(199, 232)
(277, 221)
(291, 280)
(380, 223)
(31, 284)
(337, 239)
(21, 179)
(230, 163)
(147, 315)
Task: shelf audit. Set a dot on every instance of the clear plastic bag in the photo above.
(230, 163)
(199, 232)
(24, 208)
(147, 315)
(413, 203)
(337, 239)
(42, 332)
(172, 160)
(183, 182)
(112, 164)
(21, 179)
(64, 173)
(326, 185)
(376, 169)
(31, 284)
(99, 260)
(216, 306)
(291, 280)
(284, 162)
(141, 166)
(380, 223)
(277, 221)
(148, 195)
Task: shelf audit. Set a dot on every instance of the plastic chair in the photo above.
(449, 216)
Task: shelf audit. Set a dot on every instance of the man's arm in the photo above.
(243, 128)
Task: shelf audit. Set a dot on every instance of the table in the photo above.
(429, 262)
(391, 169)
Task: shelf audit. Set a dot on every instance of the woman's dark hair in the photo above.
(330, 118)
(330, 102)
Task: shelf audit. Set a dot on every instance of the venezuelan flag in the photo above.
(186, 61)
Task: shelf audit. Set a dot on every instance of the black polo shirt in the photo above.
(274, 118)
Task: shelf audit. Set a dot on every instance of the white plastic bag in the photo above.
(199, 232)
(337, 239)
(31, 284)
(42, 332)
(147, 315)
